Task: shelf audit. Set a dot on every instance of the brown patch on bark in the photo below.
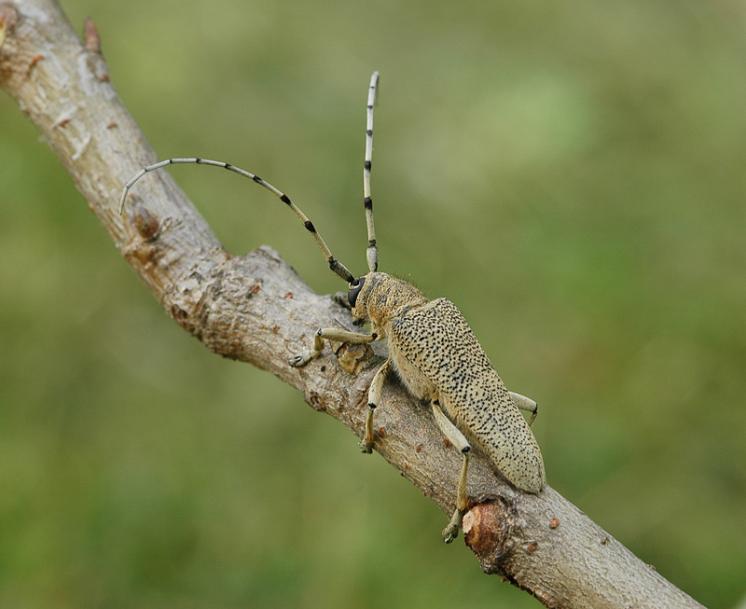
(91, 36)
(146, 254)
(254, 290)
(316, 402)
(32, 64)
(178, 313)
(146, 223)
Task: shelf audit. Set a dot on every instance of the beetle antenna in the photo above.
(334, 264)
(372, 251)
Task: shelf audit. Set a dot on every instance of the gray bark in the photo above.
(256, 309)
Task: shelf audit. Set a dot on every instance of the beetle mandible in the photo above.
(430, 347)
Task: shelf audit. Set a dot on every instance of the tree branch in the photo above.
(256, 309)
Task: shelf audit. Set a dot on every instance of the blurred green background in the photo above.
(571, 175)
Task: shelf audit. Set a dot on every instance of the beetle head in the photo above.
(377, 296)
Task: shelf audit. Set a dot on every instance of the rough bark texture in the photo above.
(256, 309)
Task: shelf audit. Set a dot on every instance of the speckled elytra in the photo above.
(431, 347)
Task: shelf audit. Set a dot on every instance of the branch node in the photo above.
(91, 37)
(487, 533)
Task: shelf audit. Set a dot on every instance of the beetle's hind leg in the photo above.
(335, 334)
(527, 404)
(456, 438)
(374, 398)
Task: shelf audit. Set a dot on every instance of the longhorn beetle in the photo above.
(431, 348)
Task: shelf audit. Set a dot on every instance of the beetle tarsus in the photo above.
(300, 360)
(451, 531)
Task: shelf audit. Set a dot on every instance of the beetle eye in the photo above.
(355, 290)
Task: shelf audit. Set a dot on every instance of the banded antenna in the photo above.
(372, 252)
(334, 264)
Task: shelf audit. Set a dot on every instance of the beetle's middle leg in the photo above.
(456, 438)
(335, 334)
(374, 398)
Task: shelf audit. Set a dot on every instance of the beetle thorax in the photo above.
(383, 295)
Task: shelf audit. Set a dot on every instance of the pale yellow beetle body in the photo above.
(438, 358)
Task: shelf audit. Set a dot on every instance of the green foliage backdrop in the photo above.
(572, 175)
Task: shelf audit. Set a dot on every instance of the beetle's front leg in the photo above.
(456, 438)
(335, 334)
